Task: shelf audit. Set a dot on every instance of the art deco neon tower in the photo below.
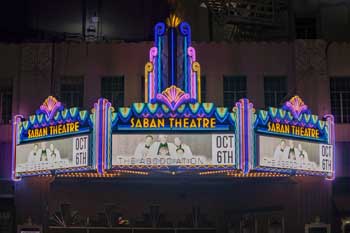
(172, 75)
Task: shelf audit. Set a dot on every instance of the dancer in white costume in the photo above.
(143, 148)
(181, 148)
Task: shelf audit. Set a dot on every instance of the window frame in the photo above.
(341, 118)
(236, 93)
(276, 92)
(80, 81)
(6, 119)
(113, 94)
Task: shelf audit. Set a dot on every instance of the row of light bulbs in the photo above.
(256, 174)
(117, 173)
(216, 172)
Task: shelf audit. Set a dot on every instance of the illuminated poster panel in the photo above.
(52, 154)
(55, 140)
(173, 149)
(279, 152)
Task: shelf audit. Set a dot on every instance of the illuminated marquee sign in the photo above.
(173, 131)
(193, 136)
(59, 129)
(174, 149)
(293, 140)
(293, 130)
(54, 139)
(282, 153)
(42, 155)
(170, 123)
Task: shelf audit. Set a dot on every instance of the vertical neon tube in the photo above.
(15, 139)
(185, 70)
(331, 140)
(245, 134)
(172, 54)
(159, 65)
(198, 84)
(239, 129)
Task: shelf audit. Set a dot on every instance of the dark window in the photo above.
(203, 88)
(112, 88)
(275, 90)
(305, 28)
(235, 88)
(340, 99)
(6, 105)
(72, 91)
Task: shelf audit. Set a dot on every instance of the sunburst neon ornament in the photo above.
(296, 106)
(50, 106)
(173, 97)
(173, 21)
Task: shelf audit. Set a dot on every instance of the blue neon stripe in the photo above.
(172, 56)
(246, 144)
(127, 128)
(159, 66)
(100, 112)
(185, 63)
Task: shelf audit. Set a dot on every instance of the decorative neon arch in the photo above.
(172, 74)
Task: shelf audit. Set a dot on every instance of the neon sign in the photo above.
(293, 130)
(186, 123)
(173, 131)
(292, 140)
(54, 139)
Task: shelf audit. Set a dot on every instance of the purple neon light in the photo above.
(173, 97)
(192, 53)
(331, 140)
(15, 138)
(97, 134)
(296, 106)
(248, 132)
(239, 131)
(193, 89)
(151, 76)
(193, 84)
(50, 106)
(153, 52)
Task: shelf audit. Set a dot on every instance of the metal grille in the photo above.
(250, 19)
(340, 99)
(6, 105)
(305, 28)
(112, 88)
(235, 88)
(72, 91)
(275, 90)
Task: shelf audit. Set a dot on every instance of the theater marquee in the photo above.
(55, 139)
(173, 130)
(292, 140)
(174, 149)
(204, 137)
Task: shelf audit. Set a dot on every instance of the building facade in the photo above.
(267, 73)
